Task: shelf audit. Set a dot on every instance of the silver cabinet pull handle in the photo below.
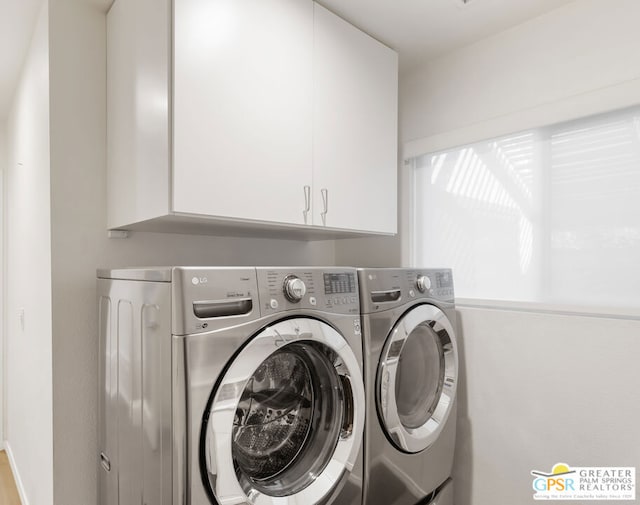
(325, 202)
(104, 461)
(307, 203)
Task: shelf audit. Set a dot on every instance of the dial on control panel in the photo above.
(423, 283)
(294, 288)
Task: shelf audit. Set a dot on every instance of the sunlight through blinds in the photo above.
(548, 215)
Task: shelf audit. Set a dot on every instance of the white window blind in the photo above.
(549, 215)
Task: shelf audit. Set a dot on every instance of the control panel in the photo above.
(385, 288)
(330, 290)
(435, 283)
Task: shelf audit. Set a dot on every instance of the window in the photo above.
(550, 215)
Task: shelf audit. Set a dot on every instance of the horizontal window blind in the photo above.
(548, 215)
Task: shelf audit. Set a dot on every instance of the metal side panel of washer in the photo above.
(134, 450)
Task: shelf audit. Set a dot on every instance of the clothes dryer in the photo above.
(230, 386)
(411, 371)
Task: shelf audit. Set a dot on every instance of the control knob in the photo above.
(294, 288)
(423, 283)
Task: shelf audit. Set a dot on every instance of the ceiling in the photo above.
(418, 29)
(421, 30)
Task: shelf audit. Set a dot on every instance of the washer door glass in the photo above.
(286, 422)
(417, 377)
(288, 419)
(420, 376)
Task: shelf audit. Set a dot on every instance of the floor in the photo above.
(8, 491)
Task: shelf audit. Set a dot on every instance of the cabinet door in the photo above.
(243, 108)
(355, 127)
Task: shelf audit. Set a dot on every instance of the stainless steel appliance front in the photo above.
(411, 368)
(220, 386)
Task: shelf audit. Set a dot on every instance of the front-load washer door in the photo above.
(417, 377)
(286, 420)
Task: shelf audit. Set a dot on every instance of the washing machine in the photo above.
(224, 386)
(411, 371)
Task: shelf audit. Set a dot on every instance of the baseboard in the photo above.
(16, 474)
(1, 445)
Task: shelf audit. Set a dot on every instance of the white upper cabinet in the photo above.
(264, 115)
(138, 103)
(243, 108)
(355, 127)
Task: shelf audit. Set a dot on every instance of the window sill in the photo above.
(631, 313)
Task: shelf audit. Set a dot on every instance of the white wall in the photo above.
(3, 255)
(79, 243)
(28, 277)
(574, 61)
(537, 389)
(577, 60)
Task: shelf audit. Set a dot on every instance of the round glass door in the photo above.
(287, 418)
(417, 378)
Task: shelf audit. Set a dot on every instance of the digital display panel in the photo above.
(444, 280)
(335, 284)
